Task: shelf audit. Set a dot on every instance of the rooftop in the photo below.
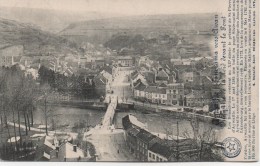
(140, 87)
(155, 89)
(199, 94)
(108, 69)
(135, 122)
(70, 153)
(162, 74)
(145, 136)
(124, 58)
(162, 150)
(133, 131)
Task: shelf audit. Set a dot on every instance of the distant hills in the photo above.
(101, 30)
(34, 40)
(36, 29)
(48, 19)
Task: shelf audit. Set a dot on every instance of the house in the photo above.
(159, 96)
(138, 138)
(155, 94)
(159, 152)
(107, 75)
(72, 153)
(111, 69)
(131, 139)
(136, 83)
(149, 147)
(173, 150)
(175, 93)
(144, 141)
(198, 98)
(139, 91)
(114, 70)
(135, 76)
(180, 61)
(98, 62)
(45, 149)
(187, 74)
(145, 60)
(132, 127)
(149, 77)
(102, 83)
(161, 76)
(125, 61)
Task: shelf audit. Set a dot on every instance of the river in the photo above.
(156, 122)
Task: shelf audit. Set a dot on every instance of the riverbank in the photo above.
(81, 104)
(146, 109)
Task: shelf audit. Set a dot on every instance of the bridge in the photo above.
(110, 112)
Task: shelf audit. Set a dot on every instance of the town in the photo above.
(135, 97)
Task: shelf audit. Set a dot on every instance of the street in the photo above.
(110, 146)
(109, 143)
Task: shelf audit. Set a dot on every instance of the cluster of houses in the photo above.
(182, 82)
(109, 71)
(42, 147)
(51, 148)
(146, 146)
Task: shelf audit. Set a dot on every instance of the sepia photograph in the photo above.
(128, 81)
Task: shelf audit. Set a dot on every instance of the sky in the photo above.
(127, 7)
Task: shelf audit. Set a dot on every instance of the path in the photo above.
(73, 135)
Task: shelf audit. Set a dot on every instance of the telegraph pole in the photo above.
(177, 156)
(45, 112)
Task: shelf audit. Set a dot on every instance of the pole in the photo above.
(177, 156)
(201, 148)
(45, 112)
(123, 94)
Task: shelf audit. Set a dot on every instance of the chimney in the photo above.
(75, 148)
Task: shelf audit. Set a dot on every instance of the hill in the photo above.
(34, 40)
(49, 19)
(101, 30)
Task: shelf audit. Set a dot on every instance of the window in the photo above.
(157, 158)
(150, 154)
(153, 156)
(160, 159)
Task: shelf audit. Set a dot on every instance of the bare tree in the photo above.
(205, 138)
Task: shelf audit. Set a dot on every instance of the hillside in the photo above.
(48, 19)
(100, 31)
(34, 40)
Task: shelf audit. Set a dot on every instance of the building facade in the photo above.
(175, 94)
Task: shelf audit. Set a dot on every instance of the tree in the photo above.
(205, 138)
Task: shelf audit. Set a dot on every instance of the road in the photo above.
(121, 91)
(109, 142)
(110, 146)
